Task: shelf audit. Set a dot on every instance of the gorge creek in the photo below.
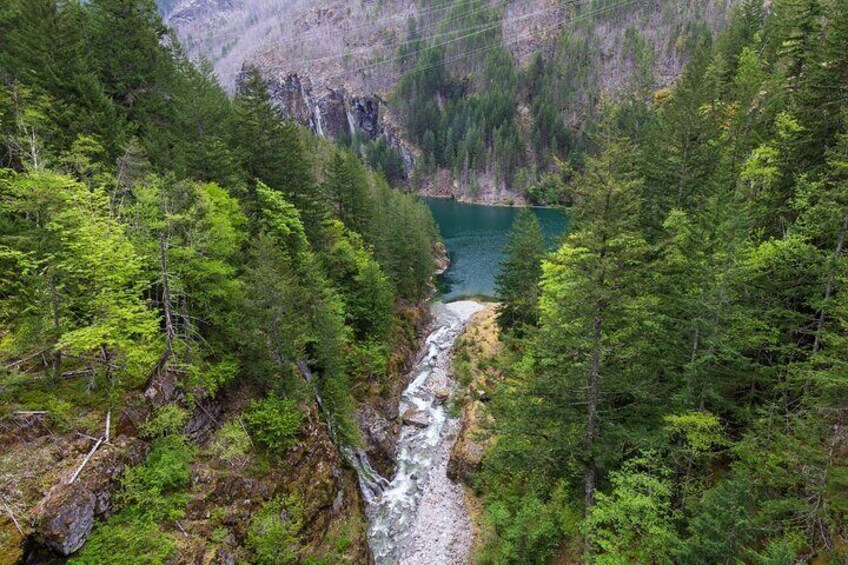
(419, 516)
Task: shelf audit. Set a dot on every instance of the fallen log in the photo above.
(100, 441)
(85, 461)
(14, 520)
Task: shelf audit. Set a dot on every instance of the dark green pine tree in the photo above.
(276, 155)
(46, 49)
(821, 86)
(347, 188)
(678, 158)
(517, 283)
(133, 65)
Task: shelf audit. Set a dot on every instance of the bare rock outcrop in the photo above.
(313, 473)
(467, 453)
(65, 516)
(479, 344)
(333, 112)
(379, 431)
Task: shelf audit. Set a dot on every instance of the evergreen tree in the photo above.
(277, 156)
(678, 157)
(190, 233)
(133, 66)
(347, 187)
(517, 283)
(634, 523)
(74, 286)
(589, 304)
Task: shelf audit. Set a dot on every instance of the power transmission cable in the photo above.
(483, 29)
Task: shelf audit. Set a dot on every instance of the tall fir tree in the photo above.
(517, 282)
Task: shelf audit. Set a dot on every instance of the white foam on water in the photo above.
(394, 520)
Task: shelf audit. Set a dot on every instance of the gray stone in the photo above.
(65, 517)
(415, 418)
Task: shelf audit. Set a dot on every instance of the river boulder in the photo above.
(416, 418)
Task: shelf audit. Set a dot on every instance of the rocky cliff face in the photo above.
(45, 517)
(307, 51)
(334, 113)
(43, 509)
(332, 64)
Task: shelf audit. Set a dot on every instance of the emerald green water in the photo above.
(474, 235)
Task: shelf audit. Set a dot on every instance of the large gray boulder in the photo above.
(65, 517)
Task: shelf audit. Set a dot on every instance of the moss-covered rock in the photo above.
(11, 540)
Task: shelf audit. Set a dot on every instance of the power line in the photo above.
(483, 49)
(483, 29)
(319, 32)
(398, 45)
(430, 27)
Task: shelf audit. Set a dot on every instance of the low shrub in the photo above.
(274, 422)
(168, 419)
(273, 532)
(126, 539)
(152, 492)
(155, 488)
(232, 441)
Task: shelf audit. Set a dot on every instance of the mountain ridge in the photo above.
(342, 64)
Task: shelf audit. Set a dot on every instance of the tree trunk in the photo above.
(170, 330)
(828, 291)
(692, 358)
(681, 187)
(590, 473)
(592, 416)
(54, 305)
(186, 329)
(107, 362)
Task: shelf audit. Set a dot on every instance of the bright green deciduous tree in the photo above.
(75, 279)
(634, 523)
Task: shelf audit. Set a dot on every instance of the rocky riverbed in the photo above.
(421, 515)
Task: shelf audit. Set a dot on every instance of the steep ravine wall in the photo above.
(56, 517)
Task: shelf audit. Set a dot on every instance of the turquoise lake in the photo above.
(474, 235)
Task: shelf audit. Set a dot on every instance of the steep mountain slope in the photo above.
(200, 301)
(334, 65)
(336, 43)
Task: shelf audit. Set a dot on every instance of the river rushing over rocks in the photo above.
(419, 516)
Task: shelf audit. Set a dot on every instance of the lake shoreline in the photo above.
(495, 204)
(474, 237)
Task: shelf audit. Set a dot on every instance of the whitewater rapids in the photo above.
(420, 517)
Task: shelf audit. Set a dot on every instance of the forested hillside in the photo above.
(493, 96)
(498, 97)
(198, 271)
(679, 395)
(207, 310)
